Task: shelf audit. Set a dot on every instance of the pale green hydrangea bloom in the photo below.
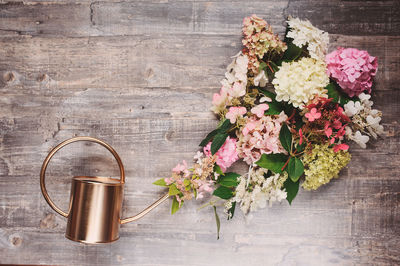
(323, 164)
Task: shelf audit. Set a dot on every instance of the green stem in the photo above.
(286, 164)
(210, 203)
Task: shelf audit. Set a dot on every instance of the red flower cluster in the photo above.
(326, 121)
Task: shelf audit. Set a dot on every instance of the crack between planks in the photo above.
(19, 32)
(92, 13)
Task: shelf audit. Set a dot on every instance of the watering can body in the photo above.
(94, 213)
(95, 209)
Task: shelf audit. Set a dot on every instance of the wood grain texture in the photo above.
(140, 75)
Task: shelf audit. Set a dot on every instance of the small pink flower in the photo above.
(301, 136)
(337, 124)
(234, 113)
(181, 168)
(179, 200)
(204, 186)
(219, 99)
(226, 155)
(249, 127)
(260, 109)
(341, 132)
(168, 181)
(328, 131)
(338, 147)
(313, 115)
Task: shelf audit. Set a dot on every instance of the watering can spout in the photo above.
(145, 211)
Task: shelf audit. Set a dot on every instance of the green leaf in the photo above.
(295, 168)
(229, 180)
(225, 126)
(175, 205)
(232, 210)
(173, 190)
(286, 138)
(338, 96)
(292, 52)
(186, 182)
(299, 121)
(273, 162)
(333, 92)
(291, 189)
(217, 221)
(262, 66)
(218, 169)
(160, 182)
(267, 93)
(218, 141)
(275, 108)
(300, 148)
(207, 139)
(223, 192)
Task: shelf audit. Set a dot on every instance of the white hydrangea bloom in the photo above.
(365, 120)
(254, 190)
(360, 139)
(236, 72)
(352, 108)
(240, 69)
(261, 79)
(233, 85)
(299, 82)
(198, 157)
(304, 33)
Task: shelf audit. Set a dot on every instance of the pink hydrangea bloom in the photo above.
(226, 155)
(234, 113)
(260, 109)
(353, 69)
(220, 99)
(181, 168)
(259, 136)
(204, 187)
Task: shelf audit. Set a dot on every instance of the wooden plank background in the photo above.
(140, 75)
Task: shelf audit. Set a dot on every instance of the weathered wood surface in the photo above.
(140, 75)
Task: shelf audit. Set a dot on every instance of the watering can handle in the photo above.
(57, 148)
(122, 178)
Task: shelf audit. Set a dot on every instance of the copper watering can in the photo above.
(94, 213)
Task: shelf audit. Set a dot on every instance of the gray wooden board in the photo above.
(140, 75)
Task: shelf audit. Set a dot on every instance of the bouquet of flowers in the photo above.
(287, 109)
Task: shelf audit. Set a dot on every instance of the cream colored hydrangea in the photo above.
(323, 164)
(304, 33)
(254, 190)
(299, 82)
